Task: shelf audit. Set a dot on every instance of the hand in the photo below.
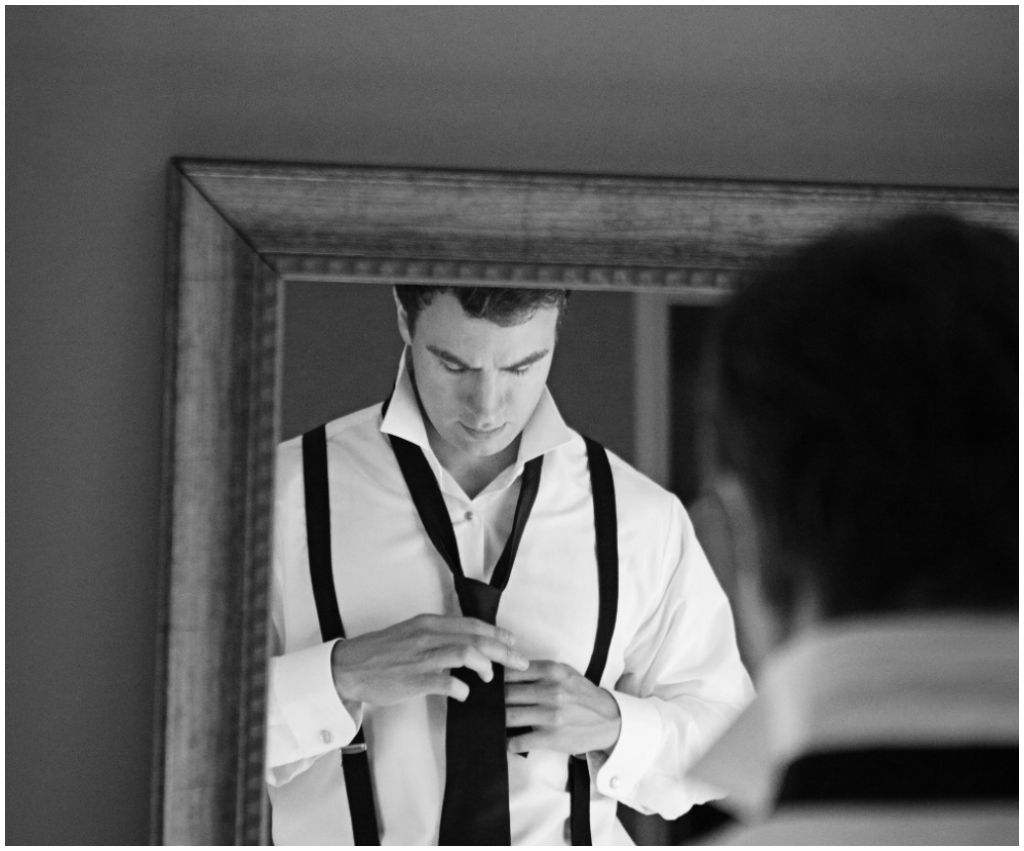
(567, 712)
(415, 658)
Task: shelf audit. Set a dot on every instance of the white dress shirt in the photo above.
(892, 681)
(673, 666)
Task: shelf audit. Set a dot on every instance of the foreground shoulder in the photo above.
(851, 824)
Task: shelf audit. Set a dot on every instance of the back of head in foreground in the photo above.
(867, 400)
(865, 416)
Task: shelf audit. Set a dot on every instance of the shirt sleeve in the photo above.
(305, 716)
(683, 683)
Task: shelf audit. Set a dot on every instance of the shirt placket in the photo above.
(468, 523)
(472, 521)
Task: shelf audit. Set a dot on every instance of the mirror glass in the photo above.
(625, 372)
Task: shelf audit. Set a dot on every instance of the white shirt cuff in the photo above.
(634, 753)
(308, 702)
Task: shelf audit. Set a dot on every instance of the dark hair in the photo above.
(501, 305)
(865, 391)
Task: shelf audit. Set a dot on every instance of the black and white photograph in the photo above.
(512, 425)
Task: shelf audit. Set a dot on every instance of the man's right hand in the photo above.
(416, 657)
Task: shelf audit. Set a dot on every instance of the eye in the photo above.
(520, 371)
(457, 370)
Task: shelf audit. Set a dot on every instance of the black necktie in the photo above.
(475, 807)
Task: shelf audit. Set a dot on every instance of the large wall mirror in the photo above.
(268, 264)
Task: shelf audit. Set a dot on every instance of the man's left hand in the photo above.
(567, 713)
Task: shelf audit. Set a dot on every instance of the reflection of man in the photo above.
(867, 411)
(469, 465)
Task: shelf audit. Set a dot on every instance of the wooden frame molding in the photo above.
(238, 232)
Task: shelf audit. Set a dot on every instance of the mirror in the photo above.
(241, 233)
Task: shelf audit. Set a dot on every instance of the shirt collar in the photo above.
(883, 681)
(544, 431)
(403, 418)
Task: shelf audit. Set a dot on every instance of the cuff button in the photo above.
(614, 783)
(326, 737)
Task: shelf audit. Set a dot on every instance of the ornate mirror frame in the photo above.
(238, 232)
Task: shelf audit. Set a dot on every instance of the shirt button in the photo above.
(326, 737)
(470, 515)
(614, 783)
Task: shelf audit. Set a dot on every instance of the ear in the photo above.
(764, 625)
(757, 625)
(742, 519)
(403, 320)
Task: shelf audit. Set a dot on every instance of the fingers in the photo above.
(532, 741)
(417, 657)
(461, 656)
(542, 670)
(477, 657)
(536, 692)
(446, 685)
(521, 675)
(445, 624)
(539, 717)
(498, 651)
(491, 642)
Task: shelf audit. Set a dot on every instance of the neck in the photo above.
(471, 472)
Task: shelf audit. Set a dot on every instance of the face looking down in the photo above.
(478, 382)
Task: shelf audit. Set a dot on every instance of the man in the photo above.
(866, 420)
(470, 429)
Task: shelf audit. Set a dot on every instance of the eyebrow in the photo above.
(455, 359)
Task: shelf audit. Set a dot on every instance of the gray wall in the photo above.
(99, 98)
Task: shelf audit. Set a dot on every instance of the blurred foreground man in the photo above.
(867, 399)
(488, 630)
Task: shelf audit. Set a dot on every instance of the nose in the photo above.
(483, 401)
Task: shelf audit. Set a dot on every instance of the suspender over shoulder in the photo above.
(354, 759)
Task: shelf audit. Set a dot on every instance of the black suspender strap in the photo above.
(318, 532)
(354, 760)
(606, 531)
(607, 534)
(907, 774)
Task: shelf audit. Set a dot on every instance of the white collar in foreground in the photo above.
(544, 431)
(879, 681)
